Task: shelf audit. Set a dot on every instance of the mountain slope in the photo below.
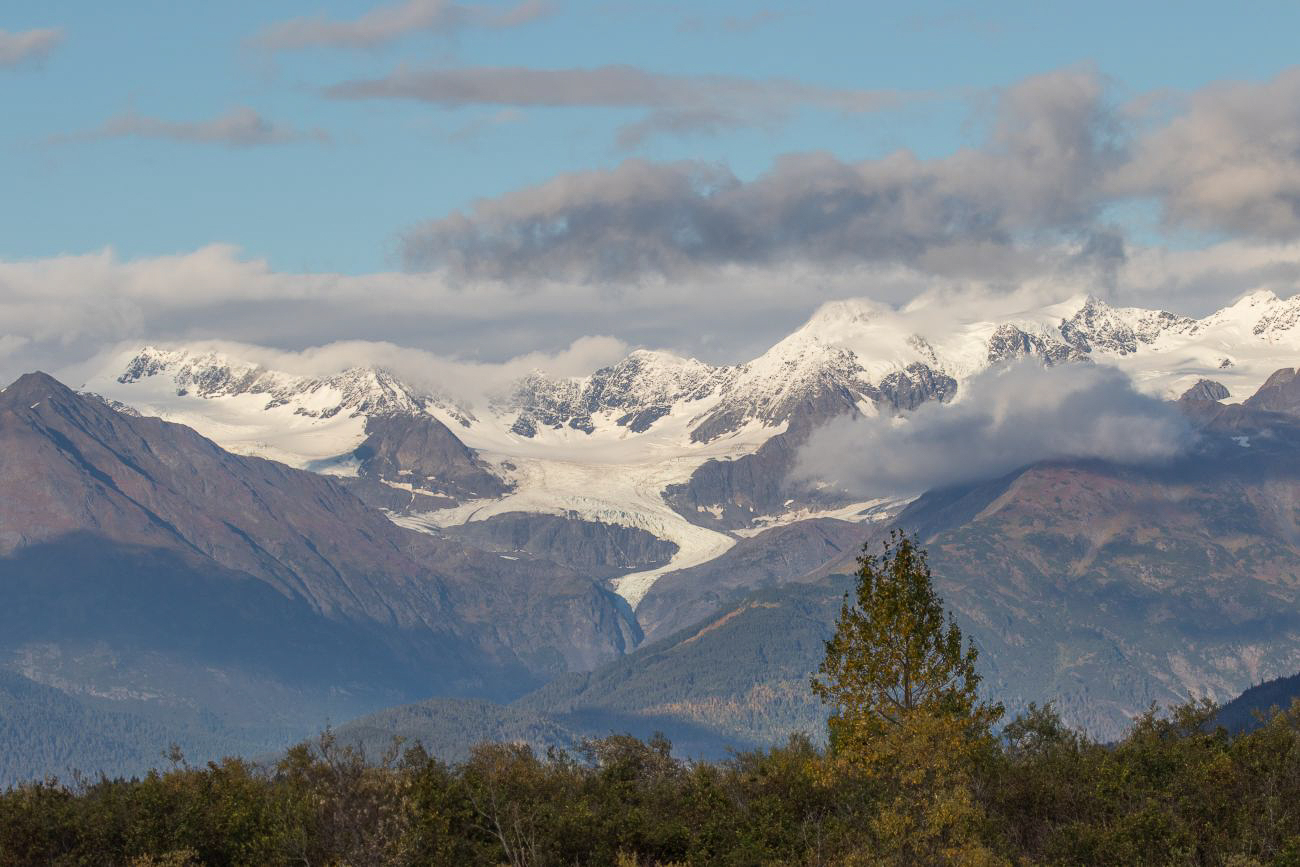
(736, 680)
(1245, 712)
(1107, 587)
(140, 561)
(1099, 587)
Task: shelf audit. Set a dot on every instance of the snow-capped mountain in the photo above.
(638, 391)
(605, 447)
(356, 391)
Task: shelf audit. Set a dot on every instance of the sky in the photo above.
(568, 180)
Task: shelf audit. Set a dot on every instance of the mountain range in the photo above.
(201, 545)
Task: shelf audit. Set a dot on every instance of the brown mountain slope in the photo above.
(1098, 586)
(97, 502)
(1106, 587)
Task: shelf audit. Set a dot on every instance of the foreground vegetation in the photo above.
(1170, 793)
(914, 774)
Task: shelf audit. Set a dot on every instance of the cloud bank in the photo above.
(1005, 418)
(1040, 169)
(1057, 156)
(1230, 162)
(60, 310)
(673, 103)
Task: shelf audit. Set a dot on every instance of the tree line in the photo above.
(918, 769)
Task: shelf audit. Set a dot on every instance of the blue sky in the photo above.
(573, 161)
(338, 205)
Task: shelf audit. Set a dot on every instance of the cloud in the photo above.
(27, 46)
(67, 308)
(386, 24)
(1005, 418)
(469, 382)
(1230, 162)
(674, 103)
(239, 127)
(706, 121)
(1048, 147)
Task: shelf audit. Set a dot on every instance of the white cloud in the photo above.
(1229, 162)
(1005, 418)
(70, 307)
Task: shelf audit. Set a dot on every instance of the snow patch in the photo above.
(868, 511)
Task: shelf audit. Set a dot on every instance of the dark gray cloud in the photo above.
(385, 24)
(1006, 418)
(27, 45)
(1055, 156)
(674, 103)
(239, 127)
(1229, 162)
(1048, 147)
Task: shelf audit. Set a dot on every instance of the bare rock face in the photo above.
(421, 452)
(1097, 326)
(593, 548)
(789, 553)
(728, 494)
(1009, 343)
(916, 384)
(1206, 390)
(1279, 393)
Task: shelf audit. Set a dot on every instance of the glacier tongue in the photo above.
(626, 494)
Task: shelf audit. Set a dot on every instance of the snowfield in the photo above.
(606, 446)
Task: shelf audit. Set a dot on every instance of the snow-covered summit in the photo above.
(853, 354)
(210, 374)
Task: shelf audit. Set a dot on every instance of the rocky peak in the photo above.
(32, 387)
(1009, 342)
(1206, 390)
(798, 375)
(1097, 325)
(905, 390)
(1279, 393)
(639, 390)
(356, 391)
(1276, 315)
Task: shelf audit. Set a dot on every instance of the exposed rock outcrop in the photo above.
(593, 548)
(1206, 390)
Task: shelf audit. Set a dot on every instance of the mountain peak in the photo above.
(831, 319)
(34, 386)
(1258, 297)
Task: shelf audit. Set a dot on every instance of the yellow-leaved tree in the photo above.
(905, 710)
